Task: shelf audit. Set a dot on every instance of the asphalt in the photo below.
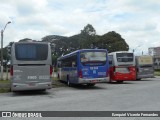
(129, 96)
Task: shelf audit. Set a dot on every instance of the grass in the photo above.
(5, 85)
(57, 83)
(4, 90)
(157, 73)
(4, 81)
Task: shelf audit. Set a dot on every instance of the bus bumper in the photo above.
(92, 80)
(36, 86)
(139, 76)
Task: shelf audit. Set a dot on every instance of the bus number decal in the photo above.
(32, 77)
(44, 77)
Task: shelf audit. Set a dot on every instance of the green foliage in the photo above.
(87, 39)
(157, 73)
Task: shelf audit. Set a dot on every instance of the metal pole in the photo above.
(1, 54)
(2, 31)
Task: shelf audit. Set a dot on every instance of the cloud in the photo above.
(136, 21)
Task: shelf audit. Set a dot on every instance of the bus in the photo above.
(31, 66)
(122, 66)
(86, 66)
(144, 67)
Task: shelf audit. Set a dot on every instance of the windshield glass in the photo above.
(145, 60)
(93, 58)
(31, 51)
(124, 57)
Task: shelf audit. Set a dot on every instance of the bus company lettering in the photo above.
(44, 77)
(32, 77)
(39, 77)
(102, 73)
(93, 68)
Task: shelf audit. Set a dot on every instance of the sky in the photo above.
(137, 21)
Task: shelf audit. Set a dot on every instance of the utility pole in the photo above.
(2, 31)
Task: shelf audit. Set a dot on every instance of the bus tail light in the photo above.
(11, 70)
(132, 68)
(51, 70)
(80, 74)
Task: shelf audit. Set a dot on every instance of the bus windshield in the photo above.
(31, 52)
(93, 58)
(124, 57)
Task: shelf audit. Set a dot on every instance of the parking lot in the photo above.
(129, 96)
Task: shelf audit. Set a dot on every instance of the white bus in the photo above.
(144, 66)
(31, 66)
(122, 66)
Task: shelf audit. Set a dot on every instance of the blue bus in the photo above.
(86, 66)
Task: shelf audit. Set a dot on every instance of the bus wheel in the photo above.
(119, 81)
(68, 82)
(58, 76)
(110, 80)
(91, 84)
(139, 79)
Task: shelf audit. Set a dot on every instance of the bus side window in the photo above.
(73, 64)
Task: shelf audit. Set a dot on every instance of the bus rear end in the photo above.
(93, 67)
(31, 66)
(144, 67)
(123, 68)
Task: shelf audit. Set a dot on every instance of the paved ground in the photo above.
(130, 96)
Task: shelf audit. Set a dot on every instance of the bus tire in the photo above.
(42, 90)
(68, 82)
(91, 84)
(58, 77)
(138, 78)
(110, 80)
(119, 81)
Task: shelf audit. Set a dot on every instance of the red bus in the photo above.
(122, 66)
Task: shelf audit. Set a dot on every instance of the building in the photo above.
(155, 52)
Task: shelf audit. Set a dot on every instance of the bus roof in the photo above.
(74, 52)
(31, 42)
(144, 56)
(120, 52)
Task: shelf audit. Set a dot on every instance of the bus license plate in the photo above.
(32, 84)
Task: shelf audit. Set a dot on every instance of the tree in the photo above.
(86, 39)
(88, 30)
